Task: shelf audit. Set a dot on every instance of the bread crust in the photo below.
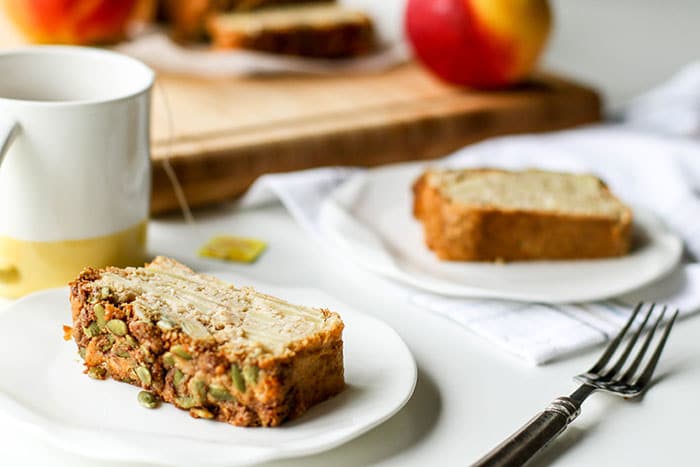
(468, 233)
(188, 17)
(269, 391)
(331, 40)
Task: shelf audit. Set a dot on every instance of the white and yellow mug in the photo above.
(74, 164)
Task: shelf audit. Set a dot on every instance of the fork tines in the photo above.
(607, 375)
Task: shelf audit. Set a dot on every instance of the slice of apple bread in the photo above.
(221, 352)
(500, 215)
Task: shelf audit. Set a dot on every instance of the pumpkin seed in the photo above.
(131, 342)
(185, 402)
(122, 354)
(81, 352)
(201, 413)
(117, 327)
(97, 372)
(178, 377)
(168, 359)
(143, 374)
(92, 330)
(181, 352)
(220, 393)
(237, 378)
(147, 399)
(198, 389)
(99, 311)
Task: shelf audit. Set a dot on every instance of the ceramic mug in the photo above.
(74, 164)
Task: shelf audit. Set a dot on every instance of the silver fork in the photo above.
(551, 422)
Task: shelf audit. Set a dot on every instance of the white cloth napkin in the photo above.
(658, 169)
(540, 333)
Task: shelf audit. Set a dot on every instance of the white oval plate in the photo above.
(369, 219)
(43, 387)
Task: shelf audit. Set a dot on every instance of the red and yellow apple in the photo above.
(478, 43)
(81, 22)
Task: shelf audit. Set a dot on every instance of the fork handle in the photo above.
(533, 436)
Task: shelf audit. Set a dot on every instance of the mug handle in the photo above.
(9, 129)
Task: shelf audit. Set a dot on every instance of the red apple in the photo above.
(75, 21)
(478, 43)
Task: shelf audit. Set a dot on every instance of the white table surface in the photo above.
(469, 395)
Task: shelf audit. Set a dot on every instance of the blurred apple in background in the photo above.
(478, 43)
(82, 22)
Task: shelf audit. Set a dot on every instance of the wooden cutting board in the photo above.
(227, 132)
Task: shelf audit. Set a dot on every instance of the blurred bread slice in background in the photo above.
(188, 17)
(322, 30)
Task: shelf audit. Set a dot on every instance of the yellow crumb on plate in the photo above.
(231, 248)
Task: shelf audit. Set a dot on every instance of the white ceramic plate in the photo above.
(369, 219)
(43, 387)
